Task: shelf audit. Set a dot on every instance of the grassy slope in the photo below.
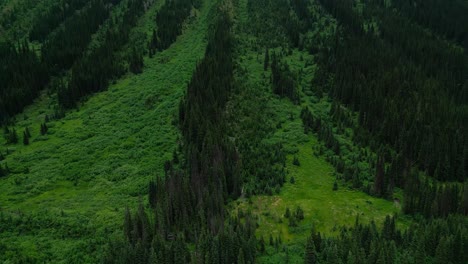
(98, 160)
(324, 208)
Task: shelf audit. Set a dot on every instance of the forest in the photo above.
(233, 131)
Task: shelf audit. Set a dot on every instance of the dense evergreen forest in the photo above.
(269, 131)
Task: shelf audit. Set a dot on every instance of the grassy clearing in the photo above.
(99, 158)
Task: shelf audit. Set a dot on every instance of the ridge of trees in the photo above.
(93, 71)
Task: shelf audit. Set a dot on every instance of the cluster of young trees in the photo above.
(22, 76)
(294, 217)
(93, 71)
(408, 87)
(170, 20)
(431, 241)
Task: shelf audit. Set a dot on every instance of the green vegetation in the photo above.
(233, 131)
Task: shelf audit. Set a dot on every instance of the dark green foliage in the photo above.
(22, 76)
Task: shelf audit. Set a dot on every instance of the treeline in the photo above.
(169, 20)
(93, 71)
(22, 76)
(408, 88)
(188, 202)
(54, 16)
(431, 241)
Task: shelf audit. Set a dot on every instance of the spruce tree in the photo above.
(310, 253)
(25, 138)
(13, 137)
(266, 61)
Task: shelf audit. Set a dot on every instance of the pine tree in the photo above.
(287, 214)
(310, 253)
(379, 177)
(128, 226)
(13, 137)
(25, 138)
(266, 61)
(240, 257)
(27, 132)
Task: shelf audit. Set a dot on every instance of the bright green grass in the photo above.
(97, 160)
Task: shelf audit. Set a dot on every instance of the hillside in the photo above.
(206, 131)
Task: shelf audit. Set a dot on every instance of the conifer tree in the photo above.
(310, 253)
(266, 61)
(25, 138)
